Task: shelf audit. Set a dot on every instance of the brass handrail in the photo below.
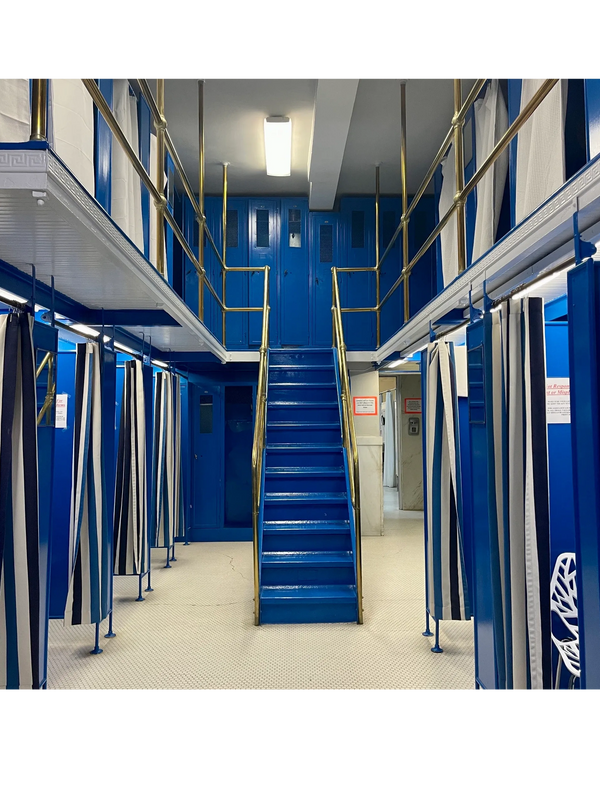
(463, 190)
(258, 444)
(348, 433)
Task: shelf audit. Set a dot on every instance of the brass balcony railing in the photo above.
(348, 433)
(258, 445)
(454, 135)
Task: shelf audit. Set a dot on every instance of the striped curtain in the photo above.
(168, 511)
(21, 618)
(446, 583)
(131, 518)
(520, 529)
(89, 549)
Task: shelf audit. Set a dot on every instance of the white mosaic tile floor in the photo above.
(196, 631)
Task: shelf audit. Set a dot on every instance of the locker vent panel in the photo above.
(326, 244)
(295, 227)
(358, 229)
(232, 228)
(262, 227)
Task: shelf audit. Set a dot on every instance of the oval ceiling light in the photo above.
(278, 146)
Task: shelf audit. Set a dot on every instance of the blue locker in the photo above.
(206, 414)
(294, 267)
(263, 249)
(103, 148)
(144, 128)
(237, 282)
(213, 318)
(592, 114)
(190, 276)
(61, 492)
(392, 313)
(324, 255)
(357, 289)
(423, 280)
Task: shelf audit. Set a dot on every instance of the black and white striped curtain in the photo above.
(168, 503)
(21, 615)
(520, 529)
(131, 516)
(447, 589)
(89, 549)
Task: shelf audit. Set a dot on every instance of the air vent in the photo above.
(326, 244)
(232, 228)
(295, 227)
(358, 229)
(262, 227)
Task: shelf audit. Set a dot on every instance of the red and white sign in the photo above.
(558, 401)
(412, 405)
(365, 406)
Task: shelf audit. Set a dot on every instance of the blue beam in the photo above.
(18, 282)
(556, 309)
(128, 316)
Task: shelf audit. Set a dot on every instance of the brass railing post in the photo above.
(404, 183)
(160, 173)
(39, 108)
(258, 444)
(348, 434)
(459, 166)
(378, 266)
(223, 270)
(201, 198)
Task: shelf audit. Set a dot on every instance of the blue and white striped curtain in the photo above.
(168, 510)
(447, 589)
(21, 617)
(89, 549)
(131, 516)
(520, 529)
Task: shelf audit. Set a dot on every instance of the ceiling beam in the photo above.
(334, 103)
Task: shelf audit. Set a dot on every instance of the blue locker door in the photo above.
(584, 351)
(392, 312)
(478, 338)
(237, 282)
(324, 255)
(263, 226)
(190, 276)
(592, 116)
(358, 289)
(212, 313)
(294, 272)
(206, 410)
(61, 493)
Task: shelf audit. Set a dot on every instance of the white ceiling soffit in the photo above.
(334, 104)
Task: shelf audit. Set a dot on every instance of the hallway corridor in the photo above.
(196, 631)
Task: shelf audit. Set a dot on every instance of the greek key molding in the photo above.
(22, 160)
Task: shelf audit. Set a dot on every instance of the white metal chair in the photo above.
(563, 601)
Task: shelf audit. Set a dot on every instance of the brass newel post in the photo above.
(404, 199)
(459, 165)
(377, 264)
(201, 197)
(160, 177)
(224, 225)
(39, 106)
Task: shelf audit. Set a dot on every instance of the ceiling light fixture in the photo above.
(9, 297)
(533, 287)
(278, 146)
(396, 363)
(124, 349)
(160, 364)
(84, 330)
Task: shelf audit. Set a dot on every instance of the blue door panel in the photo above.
(263, 248)
(237, 282)
(294, 278)
(324, 255)
(358, 290)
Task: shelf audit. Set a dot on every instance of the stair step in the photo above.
(313, 447)
(304, 424)
(302, 404)
(318, 498)
(301, 366)
(313, 472)
(320, 593)
(318, 557)
(307, 526)
(301, 385)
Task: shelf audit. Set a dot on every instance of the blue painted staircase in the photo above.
(307, 567)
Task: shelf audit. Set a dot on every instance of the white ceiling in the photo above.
(234, 111)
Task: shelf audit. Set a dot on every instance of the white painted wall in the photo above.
(369, 454)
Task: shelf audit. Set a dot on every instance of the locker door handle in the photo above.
(285, 273)
(317, 281)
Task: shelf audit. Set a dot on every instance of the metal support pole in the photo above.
(201, 197)
(173, 555)
(149, 585)
(97, 649)
(436, 647)
(39, 110)
(223, 272)
(167, 565)
(404, 198)
(140, 591)
(459, 165)
(160, 172)
(378, 273)
(111, 634)
(427, 631)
